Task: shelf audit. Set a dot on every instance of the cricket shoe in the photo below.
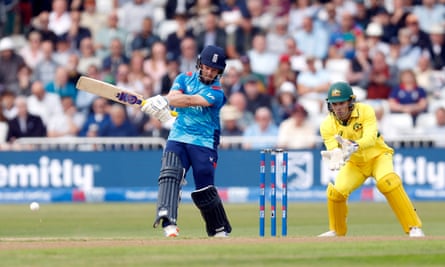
(416, 232)
(221, 234)
(171, 230)
(328, 234)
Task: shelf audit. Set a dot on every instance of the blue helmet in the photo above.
(214, 57)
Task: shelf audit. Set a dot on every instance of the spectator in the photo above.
(97, 120)
(84, 100)
(211, 34)
(312, 85)
(286, 98)
(342, 42)
(328, 19)
(170, 75)
(91, 18)
(66, 123)
(389, 30)
(259, 16)
(24, 77)
(297, 132)
(156, 65)
(41, 25)
(381, 78)
(88, 56)
(45, 69)
(408, 97)
(418, 37)
(3, 130)
(263, 133)
(404, 55)
(430, 12)
(400, 13)
(311, 40)
(276, 36)
(10, 63)
(188, 55)
(283, 73)
(233, 13)
(120, 124)
(175, 40)
(7, 98)
(144, 40)
(374, 33)
(24, 124)
(360, 66)
(229, 125)
(428, 78)
(63, 51)
(255, 94)
(438, 130)
(136, 73)
(173, 7)
(133, 13)
(231, 80)
(105, 34)
(31, 52)
(59, 18)
(299, 10)
(436, 47)
(61, 84)
(240, 41)
(116, 58)
(71, 67)
(44, 104)
(199, 18)
(296, 57)
(263, 62)
(76, 32)
(361, 16)
(239, 100)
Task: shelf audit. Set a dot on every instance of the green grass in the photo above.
(122, 235)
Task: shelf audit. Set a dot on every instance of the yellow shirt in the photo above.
(361, 128)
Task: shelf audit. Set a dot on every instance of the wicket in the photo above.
(273, 184)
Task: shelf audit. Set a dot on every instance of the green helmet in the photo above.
(340, 92)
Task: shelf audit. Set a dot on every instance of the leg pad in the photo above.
(337, 211)
(209, 203)
(169, 181)
(391, 187)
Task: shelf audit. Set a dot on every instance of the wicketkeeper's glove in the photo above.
(348, 147)
(157, 106)
(334, 158)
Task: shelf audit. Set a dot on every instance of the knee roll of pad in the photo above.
(209, 203)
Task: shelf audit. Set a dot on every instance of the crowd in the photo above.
(282, 58)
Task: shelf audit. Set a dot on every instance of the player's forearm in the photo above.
(181, 100)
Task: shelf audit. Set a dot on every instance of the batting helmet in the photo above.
(340, 92)
(214, 57)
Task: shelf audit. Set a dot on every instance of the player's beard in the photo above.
(206, 79)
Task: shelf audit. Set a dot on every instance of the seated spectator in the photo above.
(276, 36)
(24, 77)
(10, 63)
(175, 40)
(31, 52)
(76, 32)
(239, 100)
(156, 65)
(66, 123)
(44, 104)
(63, 51)
(40, 23)
(381, 78)
(313, 84)
(84, 100)
(360, 66)
(229, 118)
(88, 56)
(283, 73)
(211, 34)
(404, 55)
(436, 47)
(418, 37)
(341, 42)
(408, 97)
(116, 57)
(188, 55)
(428, 78)
(105, 34)
(312, 40)
(438, 131)
(45, 69)
(7, 98)
(24, 124)
(144, 40)
(59, 18)
(97, 120)
(3, 130)
(255, 94)
(61, 84)
(297, 132)
(119, 124)
(285, 100)
(91, 18)
(170, 75)
(263, 133)
(373, 34)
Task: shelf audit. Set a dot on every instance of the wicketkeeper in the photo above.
(355, 148)
(192, 142)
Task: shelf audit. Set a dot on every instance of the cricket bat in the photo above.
(112, 92)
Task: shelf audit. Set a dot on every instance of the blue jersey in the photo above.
(198, 125)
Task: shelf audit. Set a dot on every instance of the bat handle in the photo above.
(172, 112)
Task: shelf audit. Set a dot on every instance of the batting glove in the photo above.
(334, 158)
(157, 106)
(348, 147)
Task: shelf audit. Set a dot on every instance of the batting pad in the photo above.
(209, 203)
(169, 191)
(337, 211)
(391, 187)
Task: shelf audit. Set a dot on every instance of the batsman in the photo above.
(357, 151)
(192, 143)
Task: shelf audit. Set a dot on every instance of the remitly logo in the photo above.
(49, 173)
